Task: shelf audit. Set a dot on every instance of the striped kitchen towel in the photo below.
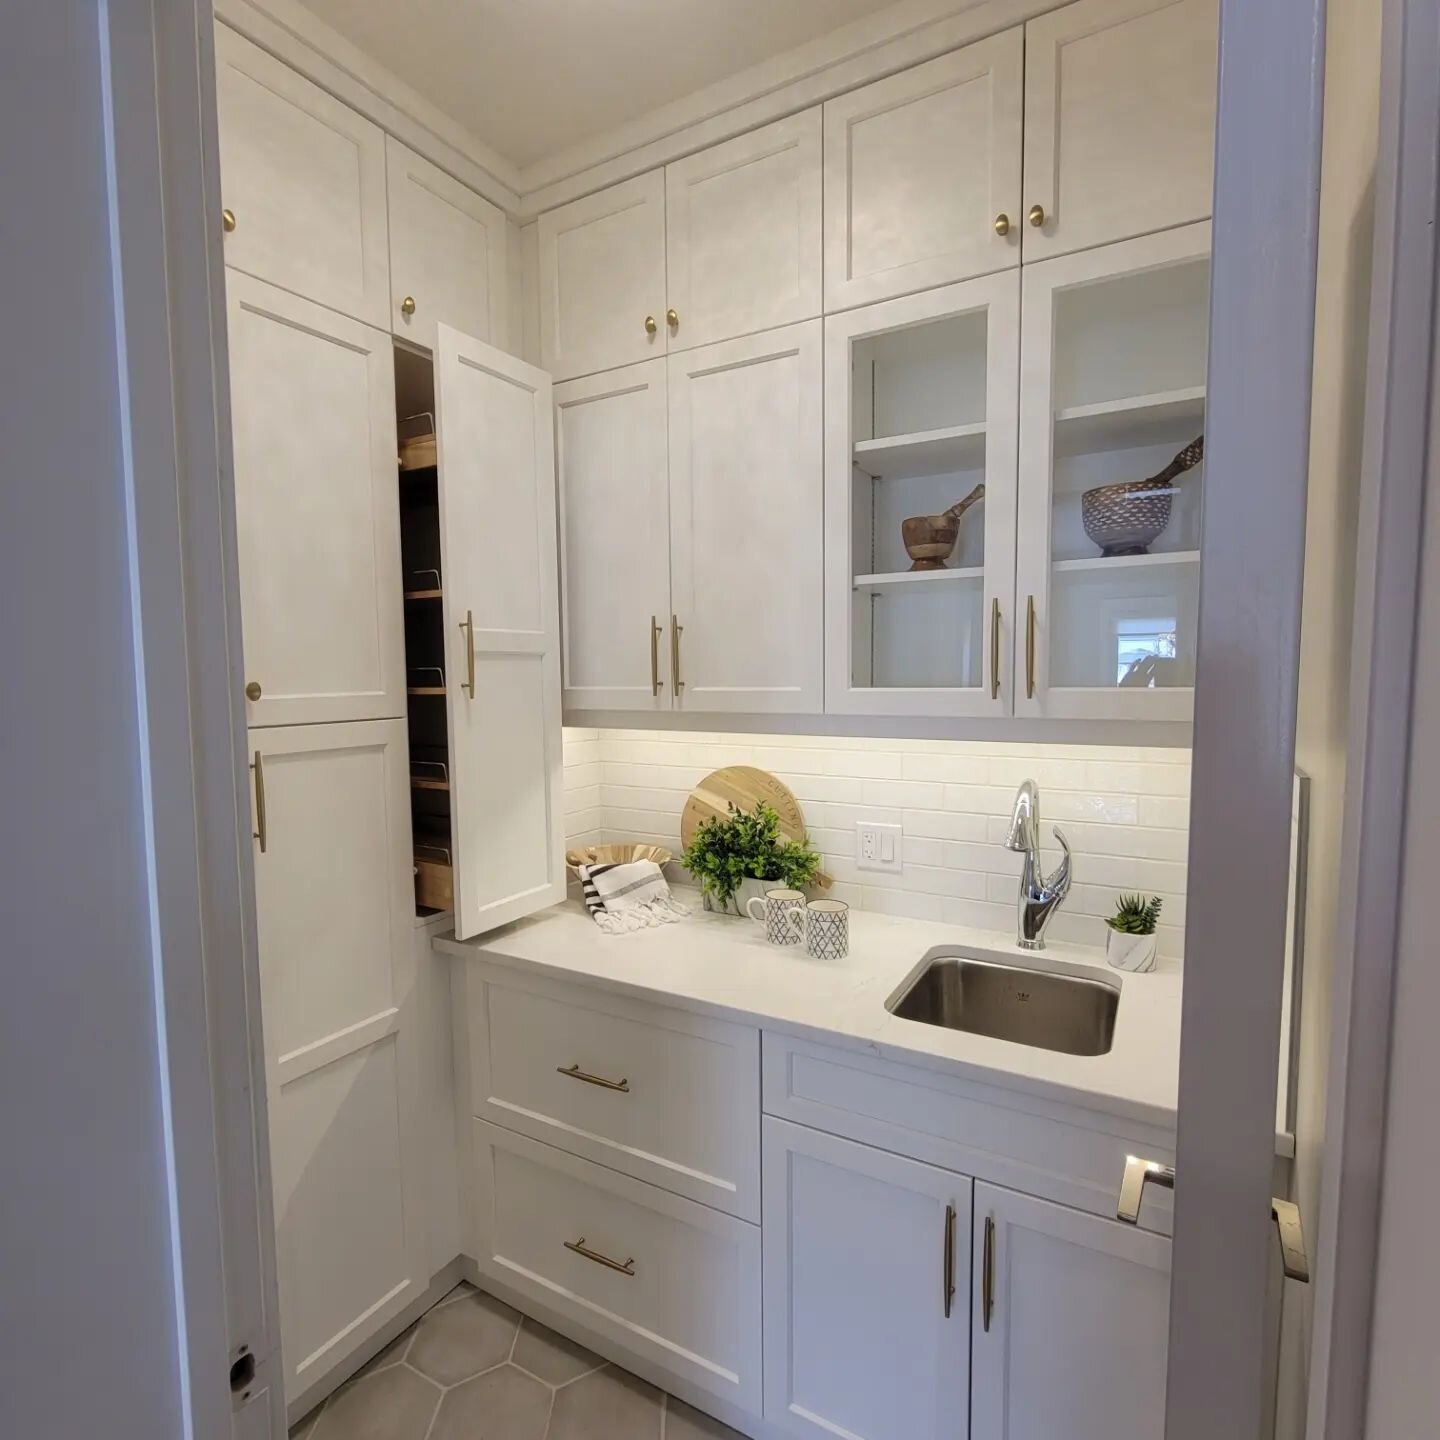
(630, 897)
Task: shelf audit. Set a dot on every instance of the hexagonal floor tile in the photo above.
(503, 1404)
(392, 1354)
(392, 1404)
(551, 1357)
(303, 1429)
(608, 1405)
(684, 1422)
(455, 1341)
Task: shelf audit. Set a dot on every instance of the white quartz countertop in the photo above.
(721, 965)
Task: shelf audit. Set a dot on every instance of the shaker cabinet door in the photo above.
(1119, 121)
(611, 458)
(919, 170)
(304, 178)
(742, 234)
(447, 254)
(312, 401)
(602, 279)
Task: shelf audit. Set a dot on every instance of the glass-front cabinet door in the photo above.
(1112, 423)
(920, 464)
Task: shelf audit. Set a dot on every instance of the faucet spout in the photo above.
(1040, 895)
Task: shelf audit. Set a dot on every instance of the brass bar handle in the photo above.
(580, 1248)
(468, 626)
(1029, 647)
(576, 1073)
(947, 1283)
(1138, 1174)
(1293, 1256)
(987, 1275)
(260, 827)
(676, 631)
(995, 648)
(655, 628)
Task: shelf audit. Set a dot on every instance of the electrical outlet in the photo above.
(877, 847)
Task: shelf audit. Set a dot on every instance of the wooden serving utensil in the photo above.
(930, 539)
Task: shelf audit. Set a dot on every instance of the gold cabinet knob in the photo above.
(407, 305)
(672, 319)
(227, 220)
(252, 690)
(1002, 224)
(1037, 215)
(650, 326)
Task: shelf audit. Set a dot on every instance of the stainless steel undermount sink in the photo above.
(1045, 1008)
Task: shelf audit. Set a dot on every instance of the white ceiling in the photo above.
(533, 77)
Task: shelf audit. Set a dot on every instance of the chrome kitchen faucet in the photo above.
(1040, 895)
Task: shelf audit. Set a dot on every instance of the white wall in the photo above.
(85, 1265)
(1124, 812)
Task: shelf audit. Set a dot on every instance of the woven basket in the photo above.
(617, 855)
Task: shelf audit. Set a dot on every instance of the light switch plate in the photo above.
(877, 847)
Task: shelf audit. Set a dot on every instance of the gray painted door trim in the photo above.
(1267, 179)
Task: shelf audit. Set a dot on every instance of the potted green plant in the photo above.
(1130, 936)
(745, 854)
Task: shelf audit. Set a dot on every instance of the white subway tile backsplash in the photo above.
(1125, 813)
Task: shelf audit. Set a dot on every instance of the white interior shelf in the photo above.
(922, 452)
(1123, 424)
(1130, 562)
(901, 578)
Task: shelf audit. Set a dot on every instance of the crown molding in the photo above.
(293, 34)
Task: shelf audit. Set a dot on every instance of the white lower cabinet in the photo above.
(1071, 1321)
(667, 1279)
(867, 1313)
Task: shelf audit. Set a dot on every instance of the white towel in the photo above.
(634, 896)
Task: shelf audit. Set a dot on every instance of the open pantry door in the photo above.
(496, 463)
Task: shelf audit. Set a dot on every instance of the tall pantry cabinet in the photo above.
(401, 638)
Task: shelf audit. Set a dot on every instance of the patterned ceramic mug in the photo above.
(827, 929)
(778, 908)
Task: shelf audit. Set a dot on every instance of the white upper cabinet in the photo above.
(1119, 121)
(602, 279)
(337, 972)
(304, 178)
(920, 417)
(866, 1291)
(447, 254)
(1071, 1324)
(742, 234)
(745, 524)
(313, 415)
(496, 484)
(922, 175)
(612, 462)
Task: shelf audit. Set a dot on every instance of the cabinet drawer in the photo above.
(660, 1094)
(676, 1282)
(1041, 1147)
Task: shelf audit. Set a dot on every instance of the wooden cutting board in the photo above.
(742, 786)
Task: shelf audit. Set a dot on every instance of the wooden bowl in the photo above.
(929, 540)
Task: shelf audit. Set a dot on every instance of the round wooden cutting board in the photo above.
(742, 786)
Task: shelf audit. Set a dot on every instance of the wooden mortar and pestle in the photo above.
(930, 539)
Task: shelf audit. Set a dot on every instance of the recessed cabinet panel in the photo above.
(304, 178)
(501, 667)
(742, 233)
(919, 168)
(612, 459)
(745, 523)
(1119, 120)
(1071, 1323)
(1111, 479)
(867, 1319)
(447, 253)
(313, 416)
(920, 501)
(602, 279)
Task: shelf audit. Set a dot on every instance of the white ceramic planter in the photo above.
(1135, 953)
(748, 888)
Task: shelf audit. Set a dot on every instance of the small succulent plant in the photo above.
(1135, 915)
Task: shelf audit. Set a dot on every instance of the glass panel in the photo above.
(919, 452)
(1127, 481)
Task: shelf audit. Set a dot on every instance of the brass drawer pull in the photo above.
(260, 827)
(467, 626)
(1029, 647)
(987, 1275)
(947, 1284)
(676, 631)
(580, 1248)
(655, 629)
(576, 1073)
(995, 648)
